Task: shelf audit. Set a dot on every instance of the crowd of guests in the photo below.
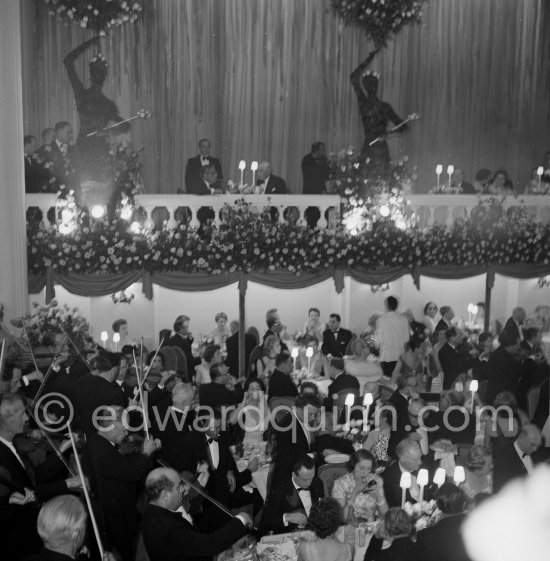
(157, 429)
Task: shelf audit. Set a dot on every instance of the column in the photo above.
(13, 247)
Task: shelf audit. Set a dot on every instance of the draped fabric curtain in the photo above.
(263, 79)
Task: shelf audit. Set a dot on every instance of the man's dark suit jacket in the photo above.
(36, 176)
(92, 392)
(170, 427)
(511, 327)
(194, 168)
(169, 537)
(315, 172)
(401, 405)
(232, 346)
(442, 542)
(441, 325)
(18, 523)
(114, 480)
(392, 477)
(504, 374)
(343, 381)
(467, 188)
(281, 385)
(285, 499)
(48, 555)
(184, 343)
(215, 395)
(275, 186)
(543, 408)
(336, 346)
(508, 466)
(453, 364)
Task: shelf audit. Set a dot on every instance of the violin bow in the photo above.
(29, 343)
(45, 379)
(410, 118)
(143, 404)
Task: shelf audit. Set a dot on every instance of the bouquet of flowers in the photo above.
(301, 376)
(423, 515)
(355, 432)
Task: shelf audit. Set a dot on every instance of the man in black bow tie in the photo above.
(269, 183)
(288, 505)
(193, 175)
(335, 338)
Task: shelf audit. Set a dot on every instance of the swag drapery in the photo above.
(263, 79)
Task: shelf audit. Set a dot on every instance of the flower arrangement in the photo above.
(356, 433)
(380, 20)
(301, 376)
(97, 15)
(423, 516)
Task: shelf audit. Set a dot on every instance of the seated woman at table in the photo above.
(500, 184)
(413, 359)
(252, 414)
(221, 333)
(318, 364)
(430, 311)
(210, 356)
(392, 540)
(379, 438)
(478, 469)
(357, 361)
(324, 519)
(266, 364)
(360, 492)
(506, 428)
(313, 325)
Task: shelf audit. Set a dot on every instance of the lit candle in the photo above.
(473, 388)
(422, 480)
(540, 171)
(459, 475)
(104, 337)
(474, 312)
(470, 308)
(116, 340)
(438, 171)
(350, 400)
(450, 171)
(294, 355)
(309, 354)
(242, 167)
(254, 167)
(367, 402)
(439, 477)
(405, 483)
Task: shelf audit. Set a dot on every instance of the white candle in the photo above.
(450, 171)
(540, 171)
(254, 167)
(350, 400)
(439, 477)
(104, 337)
(294, 355)
(438, 171)
(116, 340)
(367, 402)
(405, 483)
(242, 167)
(422, 480)
(473, 388)
(309, 354)
(470, 308)
(459, 475)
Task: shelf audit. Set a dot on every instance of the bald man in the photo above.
(514, 459)
(168, 530)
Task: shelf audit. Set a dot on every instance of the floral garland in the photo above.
(380, 20)
(97, 15)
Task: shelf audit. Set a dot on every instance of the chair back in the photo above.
(533, 396)
(329, 473)
(257, 353)
(169, 356)
(181, 363)
(482, 391)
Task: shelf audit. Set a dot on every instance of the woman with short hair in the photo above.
(392, 540)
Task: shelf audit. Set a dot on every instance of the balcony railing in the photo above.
(432, 209)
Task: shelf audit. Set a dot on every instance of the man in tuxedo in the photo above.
(23, 485)
(61, 151)
(409, 458)
(453, 363)
(169, 531)
(270, 184)
(193, 175)
(274, 326)
(217, 393)
(443, 541)
(97, 389)
(406, 386)
(514, 324)
(335, 338)
(35, 175)
(47, 136)
(288, 504)
(280, 382)
(232, 346)
(114, 478)
(447, 315)
(514, 458)
(503, 369)
(341, 380)
(315, 170)
(183, 339)
(460, 184)
(393, 332)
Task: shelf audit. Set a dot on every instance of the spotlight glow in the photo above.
(135, 227)
(97, 211)
(126, 212)
(384, 210)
